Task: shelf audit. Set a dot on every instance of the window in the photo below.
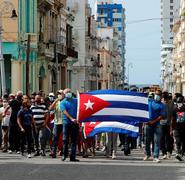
(171, 7)
(171, 13)
(101, 11)
(171, 20)
(171, 1)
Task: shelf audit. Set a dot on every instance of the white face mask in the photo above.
(179, 105)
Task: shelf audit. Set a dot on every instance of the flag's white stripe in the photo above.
(122, 112)
(118, 125)
(113, 97)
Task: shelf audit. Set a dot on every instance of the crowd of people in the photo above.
(41, 123)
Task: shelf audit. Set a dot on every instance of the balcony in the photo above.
(72, 53)
(60, 3)
(50, 51)
(45, 5)
(61, 49)
(103, 15)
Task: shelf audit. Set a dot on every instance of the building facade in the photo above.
(179, 50)
(169, 14)
(9, 40)
(113, 16)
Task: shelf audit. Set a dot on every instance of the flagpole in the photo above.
(78, 105)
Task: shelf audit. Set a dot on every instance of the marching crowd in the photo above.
(40, 123)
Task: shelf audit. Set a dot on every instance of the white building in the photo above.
(84, 31)
(169, 14)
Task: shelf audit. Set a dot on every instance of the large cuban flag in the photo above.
(113, 111)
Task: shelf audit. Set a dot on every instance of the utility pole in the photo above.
(3, 83)
(27, 65)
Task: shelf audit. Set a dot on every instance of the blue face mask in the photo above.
(51, 98)
(157, 98)
(68, 95)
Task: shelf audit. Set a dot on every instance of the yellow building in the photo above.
(9, 20)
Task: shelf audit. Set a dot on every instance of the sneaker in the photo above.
(29, 156)
(74, 160)
(18, 152)
(97, 148)
(103, 149)
(169, 155)
(10, 152)
(179, 157)
(4, 150)
(43, 153)
(165, 157)
(37, 153)
(63, 158)
(113, 155)
(53, 155)
(146, 158)
(156, 160)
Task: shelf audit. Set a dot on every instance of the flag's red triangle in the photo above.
(89, 127)
(89, 105)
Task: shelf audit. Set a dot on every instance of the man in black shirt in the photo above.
(14, 134)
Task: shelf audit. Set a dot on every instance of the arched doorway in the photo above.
(53, 80)
(42, 75)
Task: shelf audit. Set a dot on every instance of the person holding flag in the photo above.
(152, 129)
(70, 124)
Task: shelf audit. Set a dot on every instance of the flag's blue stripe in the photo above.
(115, 130)
(117, 92)
(128, 105)
(125, 119)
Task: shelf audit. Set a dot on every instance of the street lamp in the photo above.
(5, 7)
(130, 65)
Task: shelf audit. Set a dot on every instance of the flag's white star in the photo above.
(92, 123)
(89, 104)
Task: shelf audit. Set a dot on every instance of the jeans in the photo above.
(165, 139)
(179, 134)
(14, 137)
(5, 130)
(27, 135)
(41, 136)
(152, 133)
(57, 131)
(111, 143)
(70, 130)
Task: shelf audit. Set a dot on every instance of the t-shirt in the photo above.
(39, 112)
(179, 114)
(70, 105)
(25, 116)
(6, 119)
(15, 106)
(156, 109)
(58, 114)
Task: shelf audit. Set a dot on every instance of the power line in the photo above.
(150, 19)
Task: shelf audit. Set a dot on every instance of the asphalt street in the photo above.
(16, 167)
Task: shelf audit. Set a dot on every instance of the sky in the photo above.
(142, 40)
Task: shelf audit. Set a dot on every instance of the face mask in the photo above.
(5, 104)
(19, 97)
(51, 98)
(179, 105)
(59, 97)
(157, 98)
(68, 95)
